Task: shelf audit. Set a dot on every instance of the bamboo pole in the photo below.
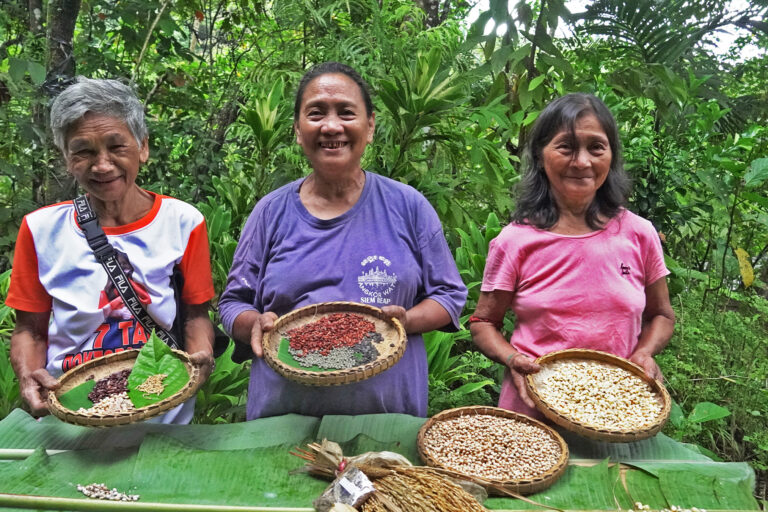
(85, 504)
(22, 453)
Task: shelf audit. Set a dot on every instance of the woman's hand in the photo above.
(519, 366)
(34, 389)
(397, 312)
(203, 359)
(29, 353)
(264, 323)
(647, 363)
(425, 316)
(198, 338)
(249, 328)
(658, 325)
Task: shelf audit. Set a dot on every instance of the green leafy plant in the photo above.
(9, 384)
(222, 398)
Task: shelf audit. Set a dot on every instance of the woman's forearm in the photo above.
(491, 342)
(198, 329)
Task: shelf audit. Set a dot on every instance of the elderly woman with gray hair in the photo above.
(67, 308)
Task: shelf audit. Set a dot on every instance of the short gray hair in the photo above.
(100, 96)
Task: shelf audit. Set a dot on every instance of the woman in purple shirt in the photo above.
(341, 233)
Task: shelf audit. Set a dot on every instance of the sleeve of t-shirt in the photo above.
(240, 293)
(655, 268)
(442, 282)
(499, 273)
(196, 268)
(26, 292)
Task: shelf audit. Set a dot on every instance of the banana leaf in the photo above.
(713, 485)
(597, 487)
(20, 430)
(154, 358)
(644, 487)
(249, 464)
(77, 397)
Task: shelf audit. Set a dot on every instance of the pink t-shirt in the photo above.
(584, 291)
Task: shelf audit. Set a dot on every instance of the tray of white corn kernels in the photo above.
(599, 395)
(499, 449)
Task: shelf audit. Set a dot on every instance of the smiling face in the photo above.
(577, 164)
(333, 127)
(104, 157)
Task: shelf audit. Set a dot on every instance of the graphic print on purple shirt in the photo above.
(388, 249)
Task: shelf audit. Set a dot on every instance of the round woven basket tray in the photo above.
(390, 349)
(102, 367)
(594, 431)
(528, 486)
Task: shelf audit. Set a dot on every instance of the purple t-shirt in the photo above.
(388, 249)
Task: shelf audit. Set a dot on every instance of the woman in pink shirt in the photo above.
(576, 268)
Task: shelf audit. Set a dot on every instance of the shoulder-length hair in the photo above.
(535, 203)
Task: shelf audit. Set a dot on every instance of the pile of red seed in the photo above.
(332, 331)
(110, 385)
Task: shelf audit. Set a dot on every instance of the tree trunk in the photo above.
(60, 65)
(431, 7)
(62, 15)
(36, 16)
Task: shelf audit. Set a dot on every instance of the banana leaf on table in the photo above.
(249, 464)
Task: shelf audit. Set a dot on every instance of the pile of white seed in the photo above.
(598, 395)
(102, 492)
(492, 447)
(111, 404)
(673, 508)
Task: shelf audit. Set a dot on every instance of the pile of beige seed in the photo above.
(673, 508)
(492, 447)
(111, 404)
(597, 394)
(102, 492)
(153, 385)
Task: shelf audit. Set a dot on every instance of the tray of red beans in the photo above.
(334, 343)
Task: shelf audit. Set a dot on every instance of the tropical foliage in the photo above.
(454, 100)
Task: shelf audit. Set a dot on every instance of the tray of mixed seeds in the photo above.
(334, 343)
(497, 448)
(599, 395)
(125, 387)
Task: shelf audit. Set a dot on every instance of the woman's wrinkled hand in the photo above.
(265, 322)
(204, 360)
(34, 389)
(648, 364)
(397, 312)
(519, 366)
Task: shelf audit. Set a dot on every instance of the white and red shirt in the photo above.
(55, 270)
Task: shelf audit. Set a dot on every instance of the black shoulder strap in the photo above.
(107, 256)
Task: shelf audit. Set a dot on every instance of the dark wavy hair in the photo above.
(535, 202)
(331, 67)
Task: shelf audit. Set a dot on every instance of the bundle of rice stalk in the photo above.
(399, 488)
(415, 489)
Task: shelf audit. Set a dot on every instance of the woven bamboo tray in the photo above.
(529, 486)
(104, 366)
(391, 349)
(594, 431)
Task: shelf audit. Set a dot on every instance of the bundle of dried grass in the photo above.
(416, 489)
(399, 487)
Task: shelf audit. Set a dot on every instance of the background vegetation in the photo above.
(454, 103)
